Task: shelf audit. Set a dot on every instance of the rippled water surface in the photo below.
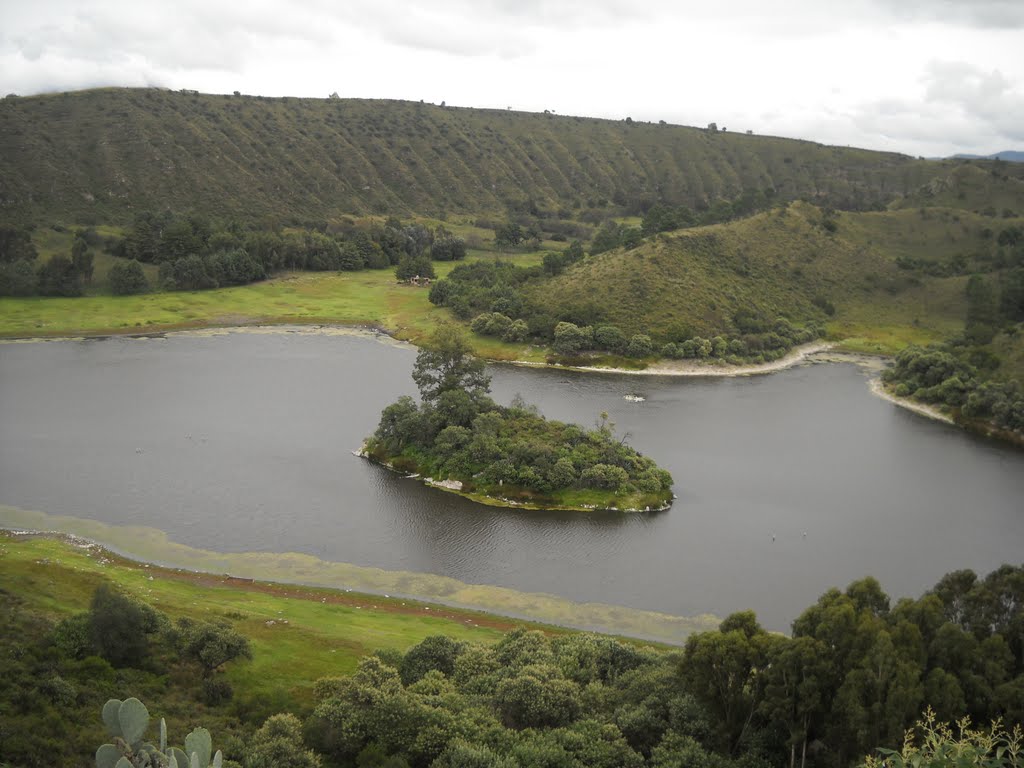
(787, 484)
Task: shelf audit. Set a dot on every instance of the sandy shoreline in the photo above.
(931, 412)
(662, 368)
(686, 368)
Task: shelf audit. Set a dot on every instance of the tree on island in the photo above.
(457, 432)
(449, 365)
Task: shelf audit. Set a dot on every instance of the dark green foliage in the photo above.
(484, 286)
(448, 365)
(1011, 297)
(640, 345)
(18, 278)
(119, 627)
(937, 375)
(459, 432)
(437, 652)
(127, 277)
(509, 235)
(414, 266)
(59, 277)
(82, 256)
(608, 237)
(570, 339)
(16, 244)
(981, 311)
(278, 744)
(855, 673)
(1010, 236)
(209, 644)
(447, 247)
(195, 253)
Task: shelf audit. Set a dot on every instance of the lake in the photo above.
(788, 483)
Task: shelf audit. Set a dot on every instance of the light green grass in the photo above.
(366, 298)
(150, 545)
(298, 634)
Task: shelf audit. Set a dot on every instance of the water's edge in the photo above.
(149, 545)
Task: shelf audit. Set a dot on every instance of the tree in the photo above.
(118, 627)
(16, 244)
(18, 278)
(210, 645)
(721, 670)
(508, 235)
(981, 310)
(437, 652)
(278, 744)
(448, 364)
(82, 257)
(414, 266)
(793, 686)
(127, 278)
(571, 339)
(58, 277)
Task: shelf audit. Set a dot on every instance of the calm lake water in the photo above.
(788, 484)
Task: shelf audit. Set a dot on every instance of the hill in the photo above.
(1009, 155)
(787, 262)
(99, 156)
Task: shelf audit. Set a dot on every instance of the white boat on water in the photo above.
(634, 398)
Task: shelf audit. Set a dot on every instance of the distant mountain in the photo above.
(1009, 155)
(103, 155)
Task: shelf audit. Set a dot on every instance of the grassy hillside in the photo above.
(996, 189)
(783, 263)
(98, 156)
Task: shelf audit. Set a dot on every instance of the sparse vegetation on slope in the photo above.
(102, 155)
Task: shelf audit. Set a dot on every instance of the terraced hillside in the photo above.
(98, 156)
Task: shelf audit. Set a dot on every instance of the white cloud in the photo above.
(868, 72)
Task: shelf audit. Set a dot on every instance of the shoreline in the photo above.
(151, 547)
(878, 389)
(794, 357)
(499, 501)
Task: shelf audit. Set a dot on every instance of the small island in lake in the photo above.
(460, 440)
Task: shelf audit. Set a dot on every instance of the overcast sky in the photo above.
(925, 77)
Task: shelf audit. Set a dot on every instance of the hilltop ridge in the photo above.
(102, 155)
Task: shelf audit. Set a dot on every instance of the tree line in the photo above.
(60, 275)
(196, 253)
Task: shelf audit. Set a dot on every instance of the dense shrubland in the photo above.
(457, 432)
(195, 253)
(491, 293)
(964, 375)
(856, 672)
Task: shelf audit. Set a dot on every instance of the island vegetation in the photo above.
(306, 677)
(461, 440)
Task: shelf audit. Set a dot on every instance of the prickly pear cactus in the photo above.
(127, 722)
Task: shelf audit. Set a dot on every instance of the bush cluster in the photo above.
(936, 375)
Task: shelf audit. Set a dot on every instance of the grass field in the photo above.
(298, 634)
(783, 263)
(150, 545)
(367, 298)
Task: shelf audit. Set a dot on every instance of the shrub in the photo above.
(128, 278)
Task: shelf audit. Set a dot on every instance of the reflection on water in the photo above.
(787, 483)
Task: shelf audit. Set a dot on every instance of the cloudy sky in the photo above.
(925, 77)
